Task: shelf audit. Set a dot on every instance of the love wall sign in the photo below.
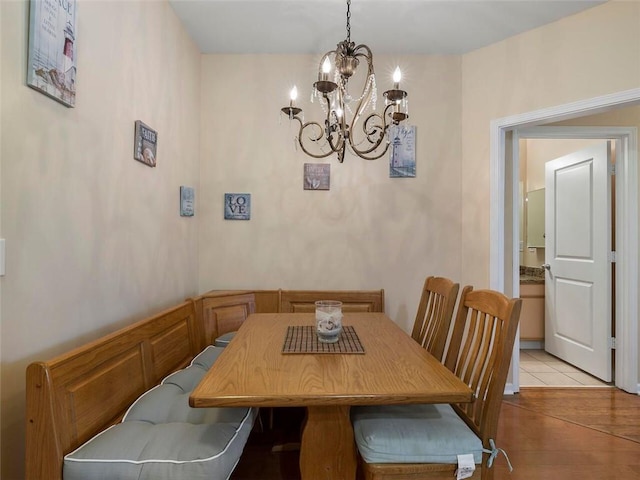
(237, 206)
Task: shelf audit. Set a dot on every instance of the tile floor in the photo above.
(538, 368)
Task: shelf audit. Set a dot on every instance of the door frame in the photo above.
(504, 236)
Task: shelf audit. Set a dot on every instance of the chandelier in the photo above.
(344, 112)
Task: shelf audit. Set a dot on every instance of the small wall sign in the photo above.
(317, 176)
(146, 142)
(187, 197)
(402, 157)
(237, 206)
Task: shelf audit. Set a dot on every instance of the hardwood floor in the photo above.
(586, 434)
(609, 410)
(541, 446)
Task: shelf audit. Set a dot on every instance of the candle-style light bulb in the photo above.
(293, 94)
(339, 112)
(397, 76)
(323, 75)
(326, 66)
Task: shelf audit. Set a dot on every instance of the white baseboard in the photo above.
(508, 389)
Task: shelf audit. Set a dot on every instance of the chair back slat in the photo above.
(480, 352)
(435, 312)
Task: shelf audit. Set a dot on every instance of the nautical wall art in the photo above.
(52, 49)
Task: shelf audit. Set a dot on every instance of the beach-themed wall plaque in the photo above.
(402, 157)
(237, 206)
(146, 143)
(317, 176)
(51, 66)
(187, 198)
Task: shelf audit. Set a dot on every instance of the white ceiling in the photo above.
(387, 26)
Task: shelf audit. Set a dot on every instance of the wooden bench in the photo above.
(78, 394)
(75, 396)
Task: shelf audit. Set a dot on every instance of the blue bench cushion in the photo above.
(206, 357)
(186, 379)
(162, 437)
(223, 340)
(170, 404)
(137, 450)
(413, 434)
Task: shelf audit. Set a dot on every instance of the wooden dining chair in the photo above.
(423, 441)
(435, 312)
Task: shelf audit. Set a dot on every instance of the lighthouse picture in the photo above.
(52, 49)
(402, 159)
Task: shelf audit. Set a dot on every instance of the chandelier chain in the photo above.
(348, 21)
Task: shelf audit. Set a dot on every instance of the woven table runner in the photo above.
(303, 339)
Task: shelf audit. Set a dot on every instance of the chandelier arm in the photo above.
(363, 46)
(362, 105)
(364, 154)
(311, 125)
(374, 134)
(368, 55)
(334, 129)
(369, 130)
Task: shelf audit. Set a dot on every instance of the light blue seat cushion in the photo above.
(186, 379)
(137, 450)
(413, 434)
(223, 340)
(162, 437)
(207, 357)
(168, 403)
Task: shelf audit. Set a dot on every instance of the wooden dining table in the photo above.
(391, 368)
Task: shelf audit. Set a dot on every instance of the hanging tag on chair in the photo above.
(466, 466)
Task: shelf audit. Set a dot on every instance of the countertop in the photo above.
(531, 275)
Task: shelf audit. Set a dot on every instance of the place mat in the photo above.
(303, 339)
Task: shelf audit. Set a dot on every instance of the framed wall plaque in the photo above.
(402, 157)
(51, 66)
(317, 176)
(146, 143)
(237, 206)
(187, 198)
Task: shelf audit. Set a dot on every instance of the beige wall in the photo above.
(368, 231)
(94, 238)
(583, 56)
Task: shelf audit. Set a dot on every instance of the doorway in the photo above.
(504, 254)
(565, 270)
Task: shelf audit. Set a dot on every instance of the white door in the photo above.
(577, 248)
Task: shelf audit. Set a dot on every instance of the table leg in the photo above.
(327, 450)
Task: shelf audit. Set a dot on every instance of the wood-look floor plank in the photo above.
(540, 445)
(606, 409)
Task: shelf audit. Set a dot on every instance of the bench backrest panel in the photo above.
(76, 395)
(352, 300)
(225, 313)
